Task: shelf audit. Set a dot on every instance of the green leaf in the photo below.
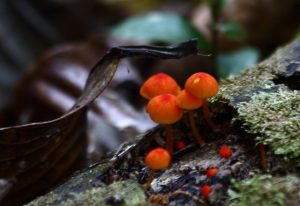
(232, 31)
(237, 61)
(158, 27)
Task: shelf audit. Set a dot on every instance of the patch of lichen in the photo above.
(234, 86)
(275, 118)
(271, 112)
(265, 190)
(78, 184)
(263, 74)
(117, 192)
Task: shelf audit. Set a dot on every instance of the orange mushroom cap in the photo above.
(202, 85)
(157, 84)
(225, 152)
(186, 100)
(205, 190)
(163, 109)
(158, 159)
(212, 172)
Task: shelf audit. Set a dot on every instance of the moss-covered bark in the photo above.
(266, 102)
(265, 190)
(88, 189)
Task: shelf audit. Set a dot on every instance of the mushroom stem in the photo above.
(170, 139)
(149, 180)
(208, 118)
(263, 156)
(197, 137)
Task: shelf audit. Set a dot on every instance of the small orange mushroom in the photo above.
(156, 159)
(187, 101)
(163, 109)
(225, 152)
(212, 172)
(205, 190)
(203, 86)
(157, 84)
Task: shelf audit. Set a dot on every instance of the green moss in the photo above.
(235, 86)
(265, 190)
(117, 192)
(87, 189)
(275, 118)
(271, 112)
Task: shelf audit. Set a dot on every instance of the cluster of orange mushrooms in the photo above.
(167, 103)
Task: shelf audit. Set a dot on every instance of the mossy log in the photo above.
(262, 105)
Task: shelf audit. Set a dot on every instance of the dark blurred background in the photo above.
(47, 48)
